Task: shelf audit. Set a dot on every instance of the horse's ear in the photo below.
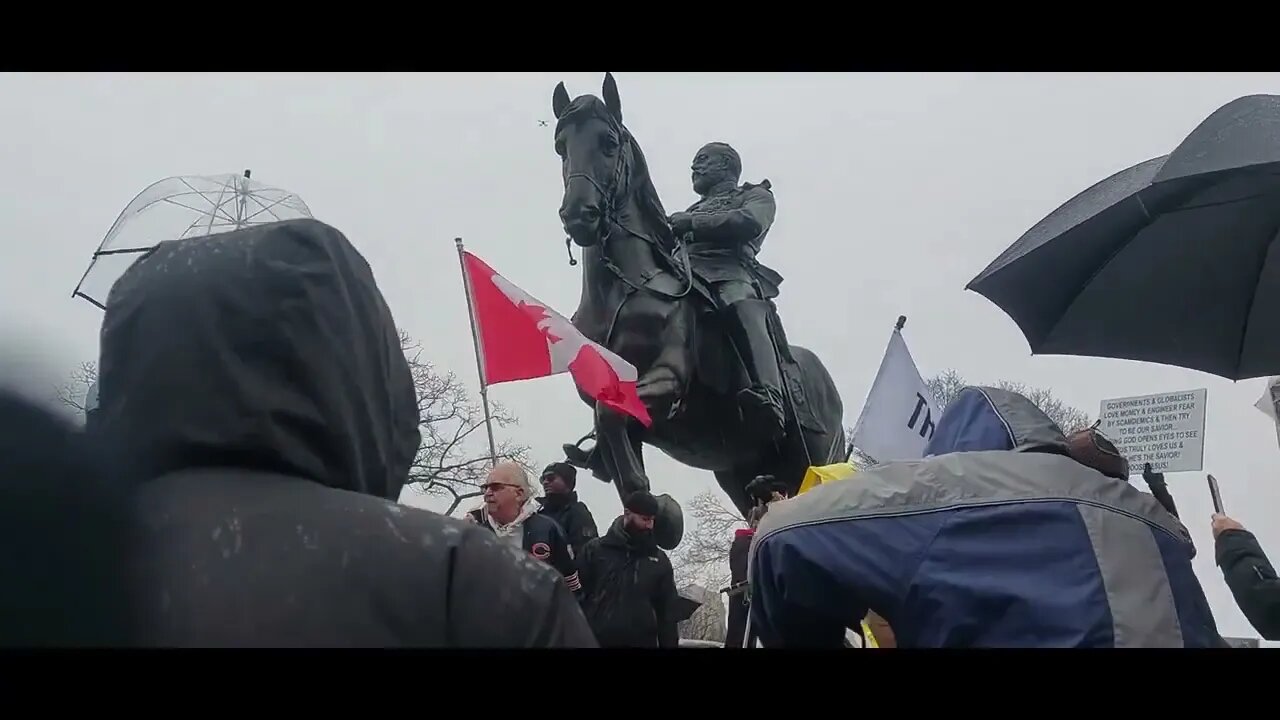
(559, 100)
(611, 96)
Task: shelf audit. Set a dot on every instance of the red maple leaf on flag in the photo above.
(520, 337)
(538, 313)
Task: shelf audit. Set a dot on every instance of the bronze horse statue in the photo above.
(642, 300)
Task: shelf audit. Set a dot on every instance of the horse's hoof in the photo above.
(668, 526)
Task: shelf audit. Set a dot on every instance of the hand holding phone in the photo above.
(1217, 495)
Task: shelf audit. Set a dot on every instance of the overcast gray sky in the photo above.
(893, 191)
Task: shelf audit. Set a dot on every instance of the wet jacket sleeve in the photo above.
(562, 558)
(1160, 490)
(736, 625)
(811, 582)
(742, 224)
(665, 600)
(1252, 580)
(738, 551)
(586, 568)
(501, 597)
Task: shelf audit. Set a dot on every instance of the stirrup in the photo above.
(576, 456)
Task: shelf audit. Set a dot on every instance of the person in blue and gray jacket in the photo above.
(998, 538)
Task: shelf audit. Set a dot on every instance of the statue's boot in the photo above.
(762, 402)
(587, 460)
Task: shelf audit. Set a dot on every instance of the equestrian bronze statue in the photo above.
(684, 299)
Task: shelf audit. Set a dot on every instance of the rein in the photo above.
(613, 197)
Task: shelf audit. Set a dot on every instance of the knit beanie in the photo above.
(642, 503)
(564, 471)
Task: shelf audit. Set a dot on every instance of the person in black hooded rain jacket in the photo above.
(631, 598)
(560, 503)
(258, 380)
(67, 533)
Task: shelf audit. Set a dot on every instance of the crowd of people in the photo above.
(237, 485)
(1008, 533)
(624, 582)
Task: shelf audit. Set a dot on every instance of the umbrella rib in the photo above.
(1075, 297)
(212, 216)
(216, 206)
(266, 208)
(1262, 267)
(1216, 203)
(208, 230)
(122, 251)
(214, 211)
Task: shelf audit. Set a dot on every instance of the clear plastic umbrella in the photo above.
(182, 207)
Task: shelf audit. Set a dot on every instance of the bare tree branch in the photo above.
(702, 557)
(945, 386)
(458, 498)
(453, 459)
(948, 383)
(75, 391)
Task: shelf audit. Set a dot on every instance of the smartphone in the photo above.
(1217, 494)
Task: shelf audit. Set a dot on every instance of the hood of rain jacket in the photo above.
(282, 350)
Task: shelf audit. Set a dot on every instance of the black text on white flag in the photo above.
(900, 414)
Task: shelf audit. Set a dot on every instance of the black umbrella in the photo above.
(1169, 261)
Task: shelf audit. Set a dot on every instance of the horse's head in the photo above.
(591, 142)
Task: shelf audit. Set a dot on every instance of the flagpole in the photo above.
(475, 341)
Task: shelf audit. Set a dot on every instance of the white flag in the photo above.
(900, 414)
(1267, 403)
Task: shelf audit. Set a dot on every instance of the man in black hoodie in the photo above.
(631, 598)
(257, 379)
(560, 503)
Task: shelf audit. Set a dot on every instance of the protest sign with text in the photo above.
(1166, 430)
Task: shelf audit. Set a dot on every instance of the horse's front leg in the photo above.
(621, 439)
(663, 385)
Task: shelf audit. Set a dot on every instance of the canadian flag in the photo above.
(522, 338)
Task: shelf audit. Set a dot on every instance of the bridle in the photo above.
(613, 194)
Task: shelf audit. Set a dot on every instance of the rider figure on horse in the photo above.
(723, 232)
